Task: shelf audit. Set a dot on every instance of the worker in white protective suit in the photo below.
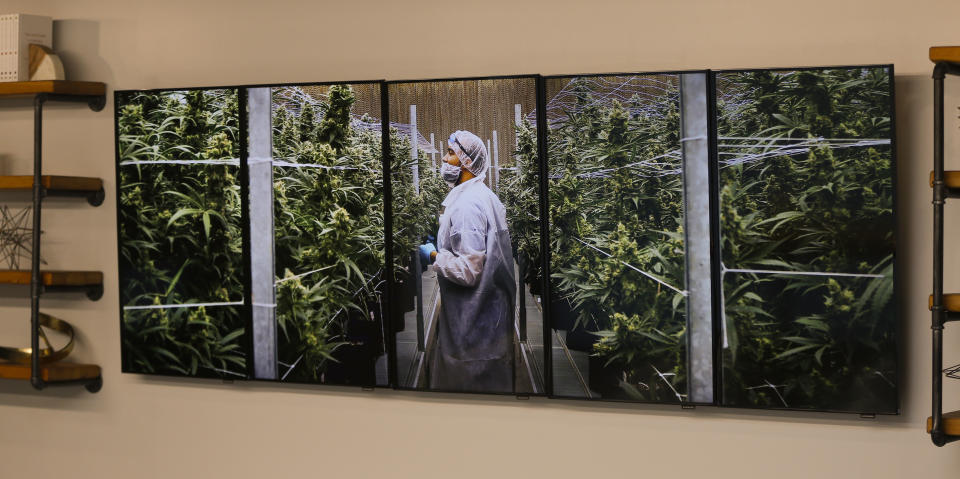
(475, 270)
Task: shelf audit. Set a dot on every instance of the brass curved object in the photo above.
(47, 354)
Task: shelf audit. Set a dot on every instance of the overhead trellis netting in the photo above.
(638, 94)
(641, 97)
(788, 135)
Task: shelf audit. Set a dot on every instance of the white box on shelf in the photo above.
(17, 32)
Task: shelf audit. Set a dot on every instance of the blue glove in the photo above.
(425, 250)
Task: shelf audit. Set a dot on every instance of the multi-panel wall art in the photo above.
(698, 238)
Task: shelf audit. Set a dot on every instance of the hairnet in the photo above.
(471, 151)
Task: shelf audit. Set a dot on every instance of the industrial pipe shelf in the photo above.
(93, 94)
(943, 428)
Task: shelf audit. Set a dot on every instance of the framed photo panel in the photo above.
(317, 233)
(465, 205)
(180, 232)
(627, 276)
(806, 218)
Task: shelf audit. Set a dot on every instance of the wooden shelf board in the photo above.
(950, 178)
(951, 423)
(950, 301)
(62, 183)
(50, 373)
(60, 87)
(53, 278)
(945, 54)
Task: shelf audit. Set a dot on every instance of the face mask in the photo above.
(450, 173)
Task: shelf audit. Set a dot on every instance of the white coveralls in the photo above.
(478, 288)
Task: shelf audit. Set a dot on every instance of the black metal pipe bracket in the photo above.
(36, 286)
(938, 313)
(95, 103)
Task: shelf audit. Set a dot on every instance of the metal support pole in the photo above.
(937, 434)
(496, 162)
(414, 146)
(522, 298)
(433, 156)
(696, 195)
(417, 272)
(96, 103)
(490, 176)
(262, 275)
(544, 190)
(517, 122)
(36, 286)
(418, 282)
(521, 260)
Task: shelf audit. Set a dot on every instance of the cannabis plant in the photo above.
(521, 197)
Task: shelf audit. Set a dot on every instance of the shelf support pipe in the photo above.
(522, 263)
(36, 286)
(263, 290)
(696, 195)
(96, 103)
(937, 312)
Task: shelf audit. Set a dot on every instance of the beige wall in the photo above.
(148, 427)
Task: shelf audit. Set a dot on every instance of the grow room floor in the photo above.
(529, 359)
